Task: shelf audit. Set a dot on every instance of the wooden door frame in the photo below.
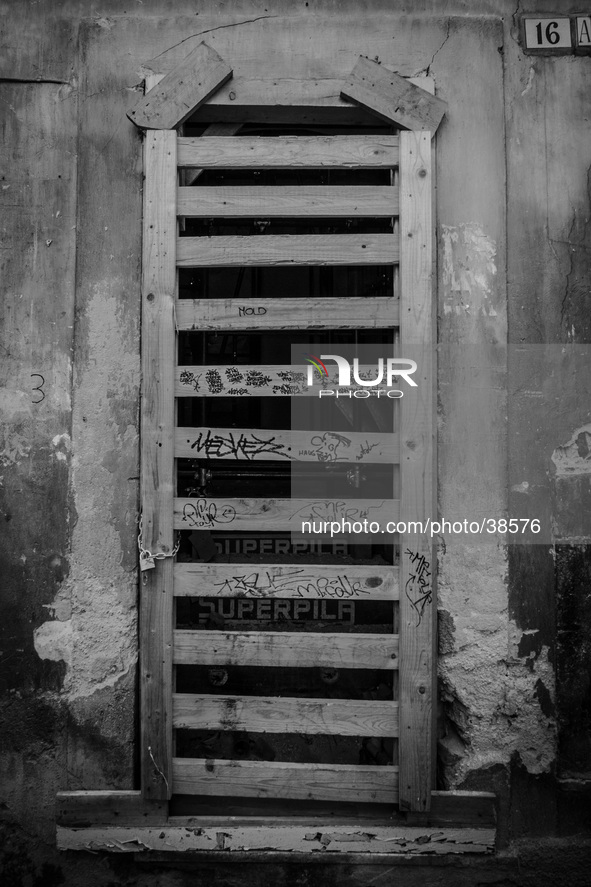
(128, 821)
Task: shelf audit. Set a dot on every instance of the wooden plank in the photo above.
(287, 313)
(85, 809)
(283, 649)
(287, 249)
(316, 842)
(253, 444)
(460, 809)
(300, 202)
(190, 176)
(299, 152)
(266, 381)
(392, 97)
(280, 514)
(457, 809)
(316, 581)
(181, 91)
(417, 564)
(240, 381)
(157, 459)
(269, 714)
(273, 779)
(278, 100)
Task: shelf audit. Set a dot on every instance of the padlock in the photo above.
(146, 562)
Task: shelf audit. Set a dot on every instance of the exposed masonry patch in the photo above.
(497, 702)
(469, 269)
(53, 640)
(94, 629)
(574, 457)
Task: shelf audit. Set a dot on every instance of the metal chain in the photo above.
(147, 556)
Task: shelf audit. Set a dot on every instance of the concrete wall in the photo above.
(513, 210)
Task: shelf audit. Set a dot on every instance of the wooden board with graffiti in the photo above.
(204, 513)
(251, 444)
(316, 581)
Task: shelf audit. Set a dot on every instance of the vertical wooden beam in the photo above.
(417, 605)
(157, 459)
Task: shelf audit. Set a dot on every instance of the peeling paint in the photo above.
(530, 81)
(469, 269)
(14, 447)
(62, 444)
(574, 457)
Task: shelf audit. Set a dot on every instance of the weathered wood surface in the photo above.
(85, 809)
(283, 649)
(276, 779)
(262, 380)
(281, 152)
(331, 839)
(267, 714)
(417, 564)
(230, 251)
(240, 381)
(252, 444)
(278, 514)
(322, 93)
(457, 809)
(316, 581)
(301, 202)
(189, 176)
(281, 100)
(157, 459)
(287, 313)
(182, 90)
(393, 98)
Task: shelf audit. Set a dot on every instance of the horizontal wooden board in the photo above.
(279, 100)
(278, 514)
(287, 314)
(269, 714)
(91, 808)
(252, 444)
(299, 152)
(286, 93)
(299, 202)
(83, 809)
(287, 249)
(284, 649)
(269, 381)
(311, 581)
(316, 841)
(273, 779)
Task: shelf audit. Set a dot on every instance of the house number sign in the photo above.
(554, 34)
